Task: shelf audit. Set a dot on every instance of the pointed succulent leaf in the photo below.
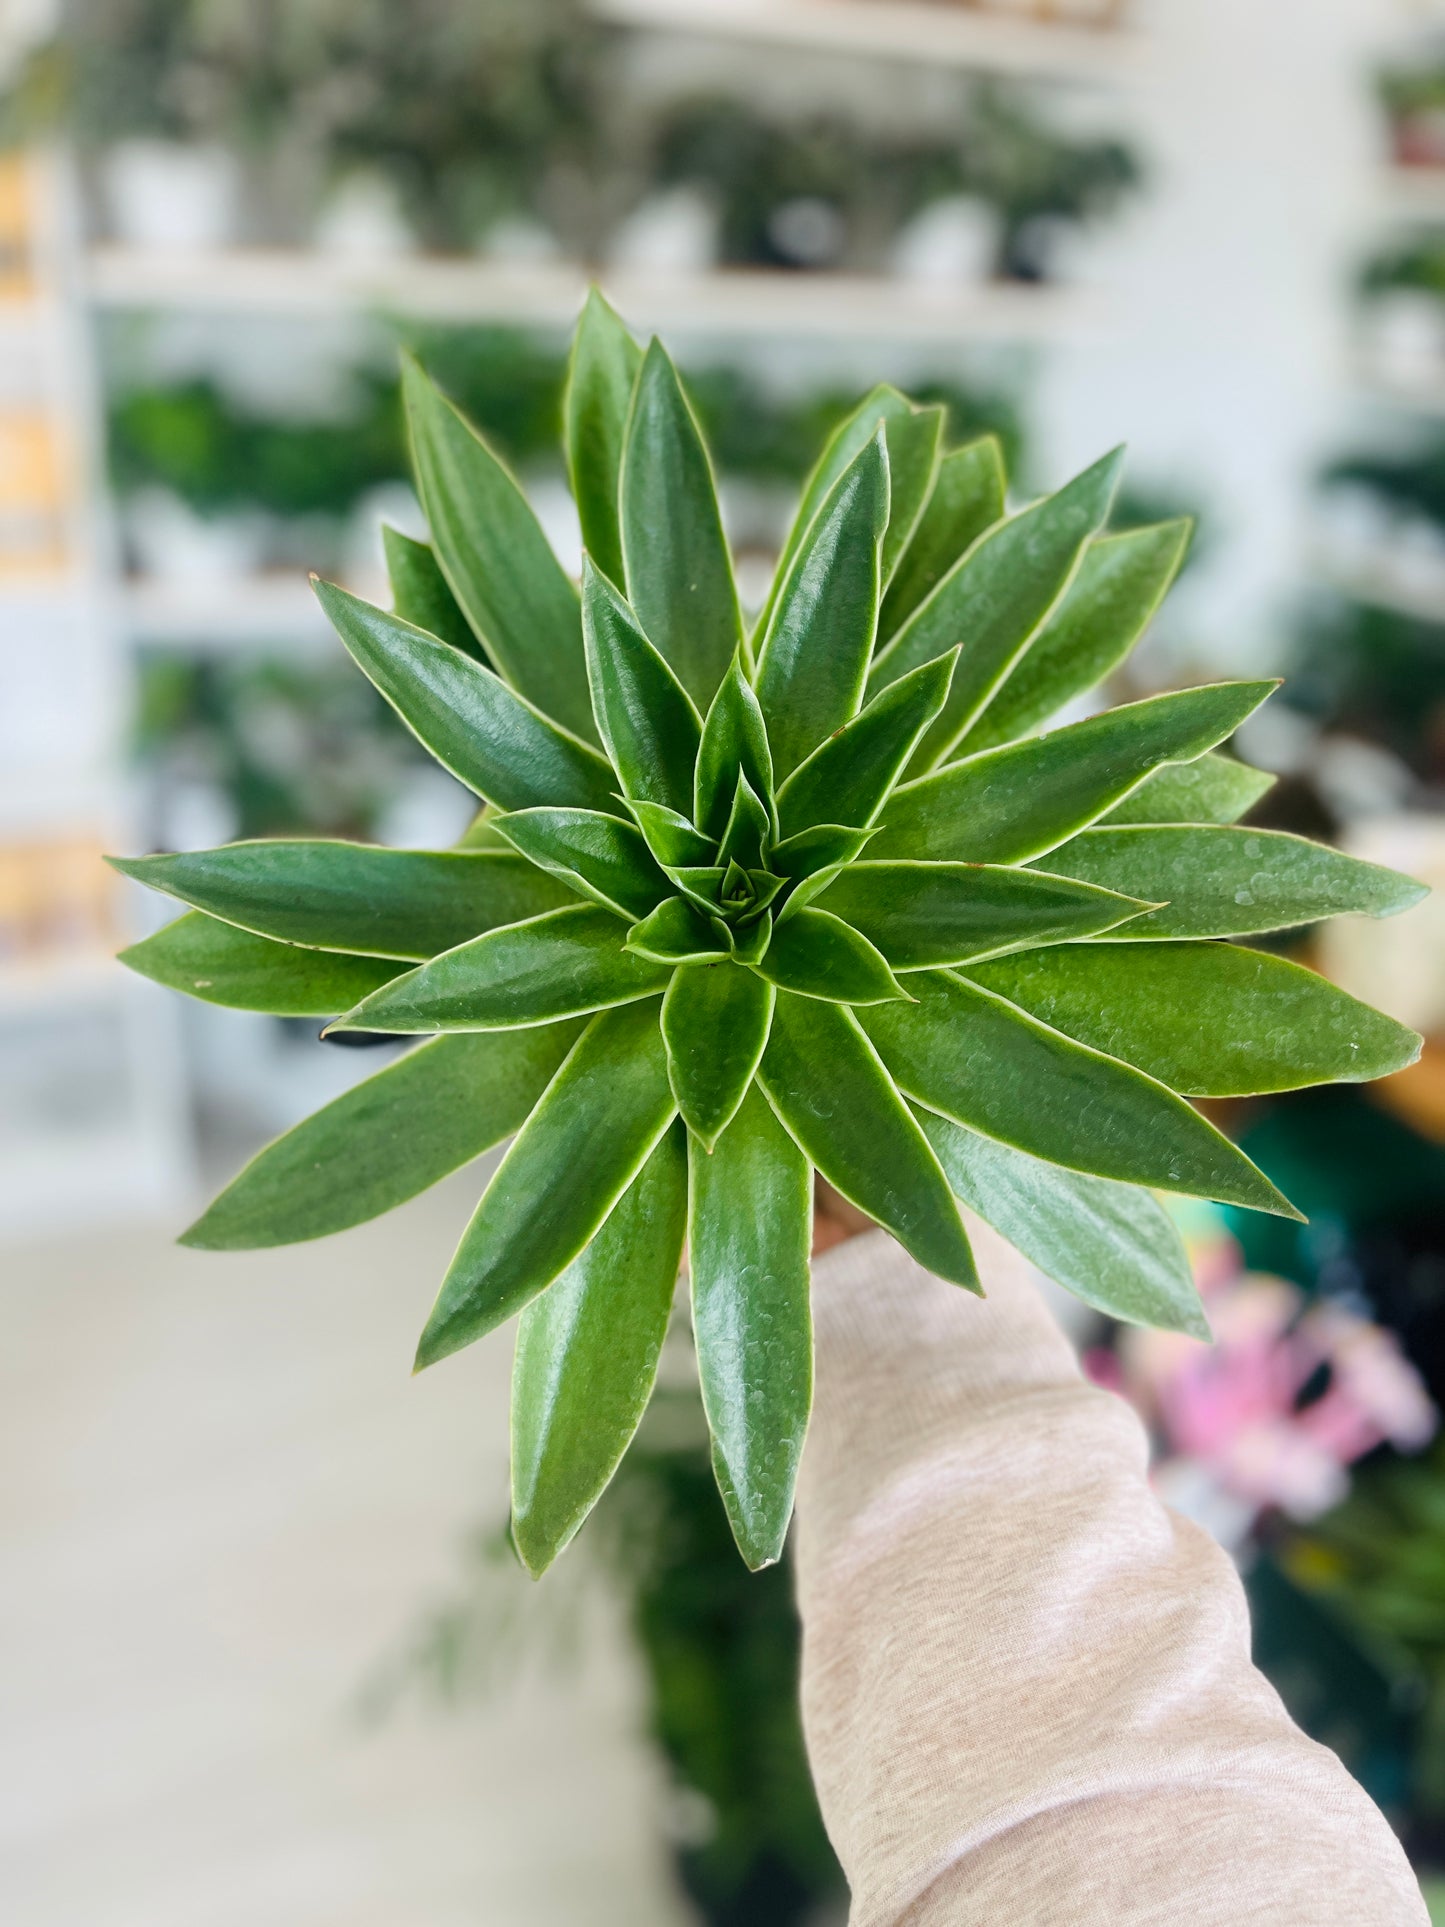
(516, 595)
(967, 499)
(921, 915)
(734, 742)
(751, 939)
(1112, 1245)
(1213, 789)
(701, 884)
(482, 832)
(826, 846)
(486, 734)
(586, 1358)
(564, 964)
(353, 896)
(601, 374)
(749, 1227)
(1122, 579)
(914, 444)
(599, 856)
(679, 574)
(814, 655)
(715, 1022)
(385, 1140)
(986, 1064)
(221, 964)
(678, 932)
(763, 887)
(848, 779)
(825, 1080)
(1217, 880)
(818, 955)
(995, 599)
(593, 1129)
(421, 594)
(748, 830)
(646, 717)
(1208, 1019)
(672, 838)
(1007, 805)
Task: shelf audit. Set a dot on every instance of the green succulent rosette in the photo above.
(750, 901)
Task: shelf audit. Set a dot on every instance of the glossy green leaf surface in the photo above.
(995, 599)
(591, 1132)
(1007, 805)
(986, 1064)
(1208, 1019)
(598, 856)
(1112, 1245)
(516, 595)
(749, 829)
(813, 657)
(222, 964)
(848, 778)
(1213, 789)
(750, 1224)
(421, 594)
(678, 932)
(646, 717)
(816, 954)
(1218, 880)
(385, 1140)
(601, 374)
(586, 1358)
(353, 896)
(672, 838)
(825, 1080)
(826, 846)
(470, 721)
(967, 499)
(679, 576)
(921, 915)
(715, 1023)
(1121, 581)
(734, 743)
(914, 443)
(563, 964)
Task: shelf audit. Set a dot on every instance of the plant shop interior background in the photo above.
(263, 1652)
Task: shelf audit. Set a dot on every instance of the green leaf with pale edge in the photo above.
(601, 374)
(223, 965)
(995, 599)
(827, 1083)
(482, 832)
(679, 574)
(1007, 805)
(1216, 880)
(646, 717)
(586, 1358)
(678, 932)
(515, 593)
(751, 939)
(967, 499)
(914, 445)
(1112, 1245)
(385, 1139)
(921, 915)
(421, 595)
(715, 1022)
(469, 720)
(1214, 789)
(848, 779)
(734, 742)
(672, 838)
(1207, 1019)
(818, 955)
(564, 964)
(353, 896)
(599, 856)
(975, 1058)
(592, 1131)
(1122, 579)
(826, 846)
(748, 1235)
(815, 651)
(749, 829)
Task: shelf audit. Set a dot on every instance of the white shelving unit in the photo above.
(1414, 193)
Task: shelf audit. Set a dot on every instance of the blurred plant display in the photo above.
(1415, 261)
(1411, 93)
(1376, 674)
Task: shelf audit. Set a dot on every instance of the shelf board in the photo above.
(724, 301)
(1416, 192)
(1379, 586)
(904, 30)
(1419, 397)
(263, 609)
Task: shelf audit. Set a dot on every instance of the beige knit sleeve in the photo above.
(1026, 1684)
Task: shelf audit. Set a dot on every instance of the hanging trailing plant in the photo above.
(746, 902)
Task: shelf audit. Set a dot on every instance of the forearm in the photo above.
(1026, 1684)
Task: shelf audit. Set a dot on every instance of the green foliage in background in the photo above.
(750, 901)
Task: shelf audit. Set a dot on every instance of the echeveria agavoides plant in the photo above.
(747, 901)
